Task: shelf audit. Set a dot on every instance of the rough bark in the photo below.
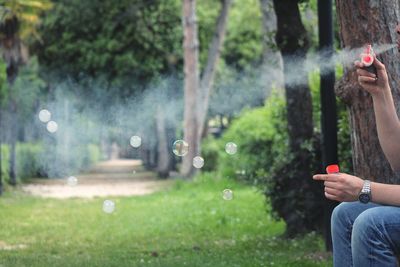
(191, 85)
(214, 52)
(361, 22)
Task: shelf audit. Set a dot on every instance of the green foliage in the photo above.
(210, 151)
(243, 44)
(3, 81)
(188, 225)
(28, 160)
(116, 39)
(26, 90)
(5, 157)
(35, 160)
(27, 13)
(261, 137)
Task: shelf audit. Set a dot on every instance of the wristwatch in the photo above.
(365, 194)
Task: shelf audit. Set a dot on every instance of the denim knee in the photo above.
(368, 222)
(341, 213)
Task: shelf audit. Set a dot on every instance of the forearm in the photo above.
(388, 127)
(385, 194)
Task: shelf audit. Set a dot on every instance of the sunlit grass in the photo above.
(188, 225)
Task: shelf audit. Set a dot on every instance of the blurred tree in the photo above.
(129, 43)
(191, 84)
(197, 91)
(371, 22)
(18, 19)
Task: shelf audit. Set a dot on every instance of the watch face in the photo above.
(364, 198)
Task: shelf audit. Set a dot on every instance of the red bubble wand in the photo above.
(367, 58)
(334, 168)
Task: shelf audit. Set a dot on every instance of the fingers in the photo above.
(366, 80)
(358, 64)
(362, 72)
(331, 197)
(325, 177)
(378, 65)
(334, 185)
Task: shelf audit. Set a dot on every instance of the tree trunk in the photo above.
(292, 40)
(164, 162)
(272, 58)
(361, 22)
(191, 85)
(13, 141)
(214, 52)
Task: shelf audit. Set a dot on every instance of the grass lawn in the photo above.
(187, 225)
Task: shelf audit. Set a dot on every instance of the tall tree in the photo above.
(214, 52)
(191, 84)
(292, 41)
(361, 22)
(197, 92)
(18, 21)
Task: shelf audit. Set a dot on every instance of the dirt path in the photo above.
(109, 178)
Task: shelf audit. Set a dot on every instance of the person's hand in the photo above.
(341, 186)
(374, 84)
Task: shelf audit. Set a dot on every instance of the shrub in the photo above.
(27, 160)
(261, 137)
(36, 160)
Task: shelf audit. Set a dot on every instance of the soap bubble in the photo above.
(44, 115)
(136, 141)
(198, 162)
(231, 148)
(227, 194)
(72, 181)
(108, 206)
(180, 148)
(52, 126)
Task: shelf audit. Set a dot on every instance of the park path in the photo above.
(119, 177)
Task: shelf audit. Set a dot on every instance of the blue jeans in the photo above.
(365, 235)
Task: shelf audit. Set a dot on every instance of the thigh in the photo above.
(347, 212)
(386, 221)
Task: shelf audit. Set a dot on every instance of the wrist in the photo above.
(381, 95)
(365, 193)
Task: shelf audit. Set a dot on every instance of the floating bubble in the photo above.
(44, 115)
(227, 194)
(231, 148)
(136, 141)
(134, 172)
(72, 181)
(198, 162)
(180, 148)
(52, 126)
(108, 206)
